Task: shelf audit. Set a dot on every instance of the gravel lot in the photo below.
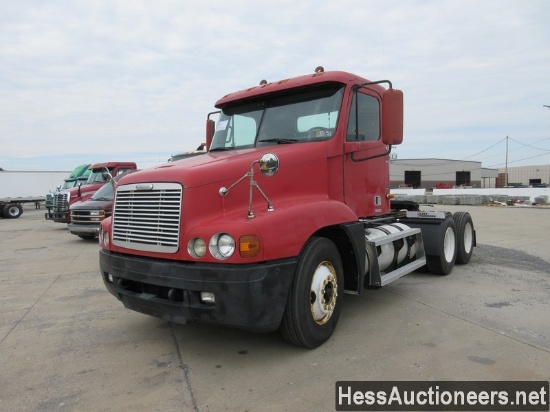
(67, 344)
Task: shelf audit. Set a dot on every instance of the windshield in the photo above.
(67, 184)
(310, 115)
(105, 193)
(97, 177)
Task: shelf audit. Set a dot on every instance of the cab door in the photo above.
(366, 167)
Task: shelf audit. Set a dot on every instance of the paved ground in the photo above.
(67, 344)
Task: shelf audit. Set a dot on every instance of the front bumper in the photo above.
(61, 217)
(251, 296)
(87, 230)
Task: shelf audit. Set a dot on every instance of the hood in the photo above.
(226, 166)
(93, 205)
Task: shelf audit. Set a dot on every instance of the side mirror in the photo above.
(392, 117)
(210, 129)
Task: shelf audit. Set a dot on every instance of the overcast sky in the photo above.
(90, 81)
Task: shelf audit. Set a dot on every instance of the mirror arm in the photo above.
(358, 86)
(265, 168)
(225, 190)
(357, 115)
(386, 153)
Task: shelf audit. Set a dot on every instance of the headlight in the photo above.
(196, 247)
(222, 246)
(97, 215)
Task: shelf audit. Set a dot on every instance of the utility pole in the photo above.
(506, 167)
(548, 107)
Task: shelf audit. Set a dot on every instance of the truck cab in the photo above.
(78, 175)
(289, 209)
(98, 175)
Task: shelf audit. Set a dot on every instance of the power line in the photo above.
(533, 147)
(520, 160)
(490, 147)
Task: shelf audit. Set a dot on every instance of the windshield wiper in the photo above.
(278, 141)
(221, 149)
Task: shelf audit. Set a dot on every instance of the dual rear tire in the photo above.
(11, 211)
(466, 237)
(456, 243)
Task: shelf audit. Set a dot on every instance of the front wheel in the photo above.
(315, 299)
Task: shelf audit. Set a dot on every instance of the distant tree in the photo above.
(1, 170)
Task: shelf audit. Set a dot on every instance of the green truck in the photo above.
(78, 175)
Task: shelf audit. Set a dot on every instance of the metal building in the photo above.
(525, 176)
(444, 173)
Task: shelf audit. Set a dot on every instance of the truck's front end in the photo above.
(87, 216)
(78, 176)
(171, 250)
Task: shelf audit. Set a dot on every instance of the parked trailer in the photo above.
(12, 208)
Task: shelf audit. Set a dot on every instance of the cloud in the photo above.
(136, 77)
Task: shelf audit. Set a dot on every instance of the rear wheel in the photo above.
(465, 237)
(315, 299)
(12, 211)
(443, 263)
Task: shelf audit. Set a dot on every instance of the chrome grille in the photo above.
(61, 202)
(147, 216)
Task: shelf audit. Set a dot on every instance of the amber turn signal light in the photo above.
(249, 246)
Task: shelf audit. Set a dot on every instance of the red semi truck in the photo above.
(289, 209)
(100, 172)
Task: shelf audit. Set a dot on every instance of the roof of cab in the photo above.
(320, 76)
(109, 165)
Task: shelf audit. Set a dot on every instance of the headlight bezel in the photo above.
(222, 246)
(196, 247)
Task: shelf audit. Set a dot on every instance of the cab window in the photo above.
(364, 119)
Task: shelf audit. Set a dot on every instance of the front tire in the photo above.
(315, 299)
